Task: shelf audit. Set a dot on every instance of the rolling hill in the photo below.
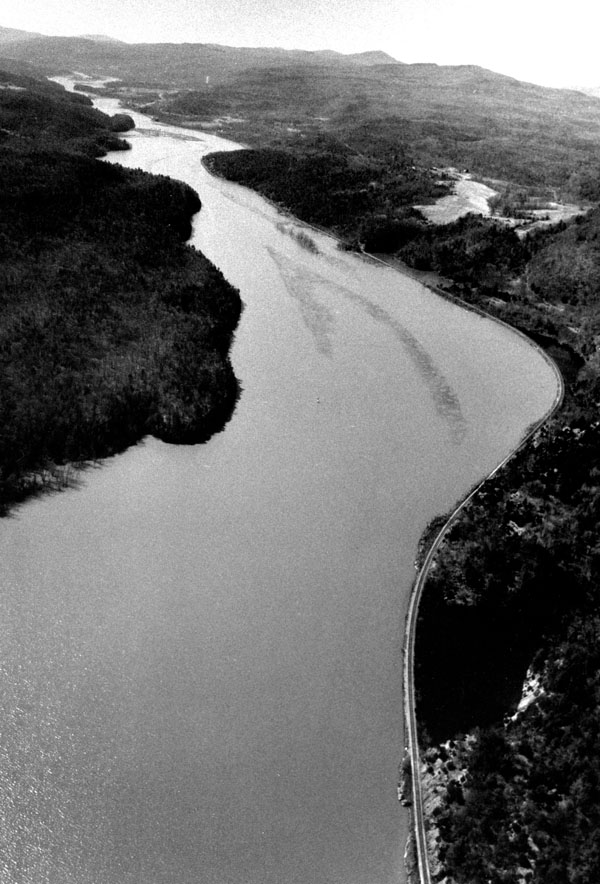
(463, 116)
(14, 35)
(170, 65)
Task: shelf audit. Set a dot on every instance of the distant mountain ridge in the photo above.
(183, 65)
(13, 35)
(102, 38)
(460, 115)
(368, 58)
(589, 90)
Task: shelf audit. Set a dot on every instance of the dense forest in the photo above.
(331, 186)
(111, 327)
(41, 112)
(514, 595)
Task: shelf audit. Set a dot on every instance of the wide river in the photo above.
(201, 647)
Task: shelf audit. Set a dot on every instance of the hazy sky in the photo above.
(543, 41)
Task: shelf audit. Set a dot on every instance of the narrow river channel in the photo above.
(202, 646)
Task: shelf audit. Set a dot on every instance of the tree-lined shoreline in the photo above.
(513, 589)
(112, 327)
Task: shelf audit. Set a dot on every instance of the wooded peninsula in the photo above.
(111, 326)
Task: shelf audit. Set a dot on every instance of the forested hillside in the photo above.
(356, 149)
(41, 112)
(168, 65)
(514, 593)
(424, 114)
(434, 116)
(332, 187)
(110, 327)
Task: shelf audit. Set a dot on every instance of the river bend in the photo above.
(201, 646)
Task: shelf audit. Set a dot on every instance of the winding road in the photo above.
(418, 813)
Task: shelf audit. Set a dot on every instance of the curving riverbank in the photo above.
(417, 850)
(517, 573)
(420, 822)
(541, 505)
(112, 327)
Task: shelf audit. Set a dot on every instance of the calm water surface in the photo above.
(201, 646)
